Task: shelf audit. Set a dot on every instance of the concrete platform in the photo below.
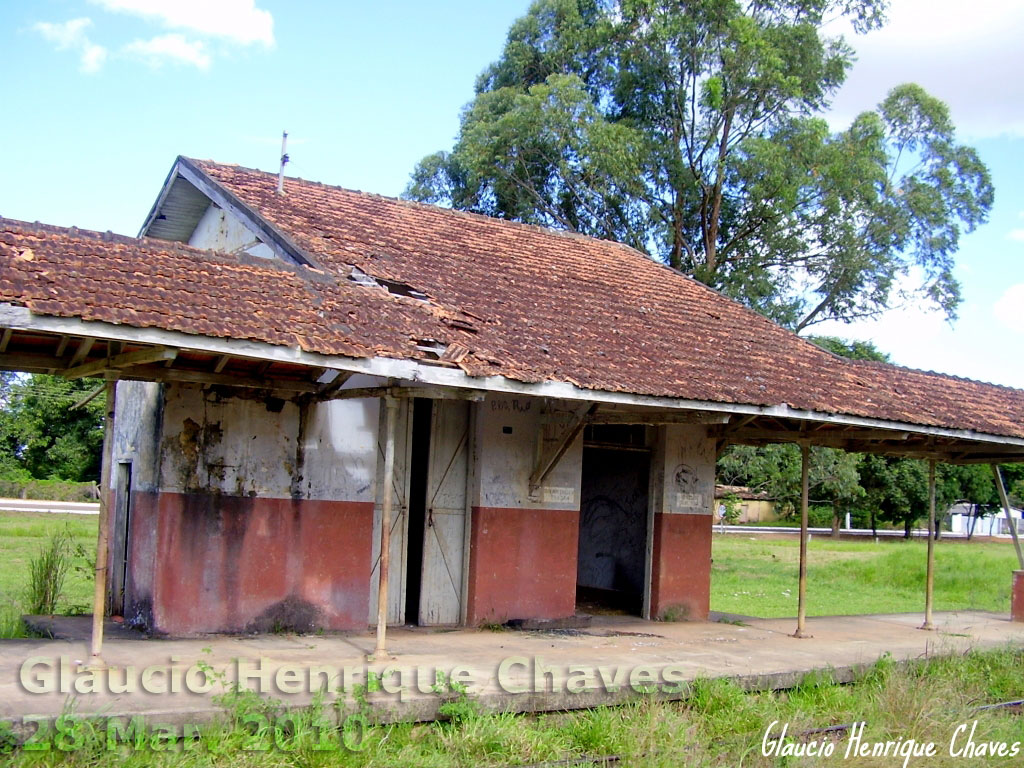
(613, 660)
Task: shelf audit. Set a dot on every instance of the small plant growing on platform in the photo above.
(678, 612)
(47, 573)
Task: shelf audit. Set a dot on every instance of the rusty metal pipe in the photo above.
(1010, 522)
(929, 585)
(103, 536)
(801, 609)
(390, 417)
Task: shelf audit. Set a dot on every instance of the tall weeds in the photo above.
(47, 574)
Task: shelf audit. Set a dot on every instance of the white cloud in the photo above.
(963, 53)
(1009, 309)
(1016, 234)
(172, 48)
(239, 21)
(70, 35)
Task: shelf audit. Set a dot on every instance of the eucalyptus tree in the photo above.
(694, 130)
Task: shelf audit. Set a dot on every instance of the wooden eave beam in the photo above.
(652, 419)
(159, 373)
(117, 362)
(430, 393)
(813, 437)
(552, 453)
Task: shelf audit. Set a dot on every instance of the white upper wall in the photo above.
(684, 471)
(507, 436)
(218, 230)
(137, 425)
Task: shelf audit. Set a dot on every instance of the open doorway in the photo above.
(614, 504)
(419, 469)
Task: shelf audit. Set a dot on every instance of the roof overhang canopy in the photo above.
(74, 348)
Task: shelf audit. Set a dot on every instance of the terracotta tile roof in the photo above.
(507, 299)
(562, 307)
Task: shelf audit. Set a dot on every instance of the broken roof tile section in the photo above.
(159, 284)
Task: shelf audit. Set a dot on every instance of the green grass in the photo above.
(22, 535)
(757, 576)
(718, 725)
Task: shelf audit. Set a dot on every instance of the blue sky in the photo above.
(101, 95)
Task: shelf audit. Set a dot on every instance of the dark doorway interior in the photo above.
(613, 529)
(419, 464)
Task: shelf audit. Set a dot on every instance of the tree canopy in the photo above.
(693, 130)
(42, 436)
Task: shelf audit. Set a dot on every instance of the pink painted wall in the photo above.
(215, 563)
(522, 564)
(681, 567)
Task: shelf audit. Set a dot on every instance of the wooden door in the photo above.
(441, 585)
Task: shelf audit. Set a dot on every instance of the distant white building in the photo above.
(993, 524)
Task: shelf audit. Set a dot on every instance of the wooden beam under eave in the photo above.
(159, 373)
(816, 438)
(125, 360)
(430, 393)
(990, 458)
(221, 362)
(654, 419)
(5, 339)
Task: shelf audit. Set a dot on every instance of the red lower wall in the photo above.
(522, 564)
(681, 567)
(215, 563)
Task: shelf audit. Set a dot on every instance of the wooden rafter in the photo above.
(657, 417)
(431, 393)
(327, 390)
(125, 360)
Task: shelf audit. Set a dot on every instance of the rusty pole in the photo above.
(929, 585)
(1006, 510)
(390, 417)
(103, 536)
(801, 609)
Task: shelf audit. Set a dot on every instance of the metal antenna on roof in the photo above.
(284, 161)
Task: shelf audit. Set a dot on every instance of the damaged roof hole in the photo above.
(394, 287)
(431, 347)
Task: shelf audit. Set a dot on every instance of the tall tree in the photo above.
(692, 129)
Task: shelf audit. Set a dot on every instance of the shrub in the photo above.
(47, 573)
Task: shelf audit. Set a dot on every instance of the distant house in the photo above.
(965, 519)
(755, 507)
(544, 409)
